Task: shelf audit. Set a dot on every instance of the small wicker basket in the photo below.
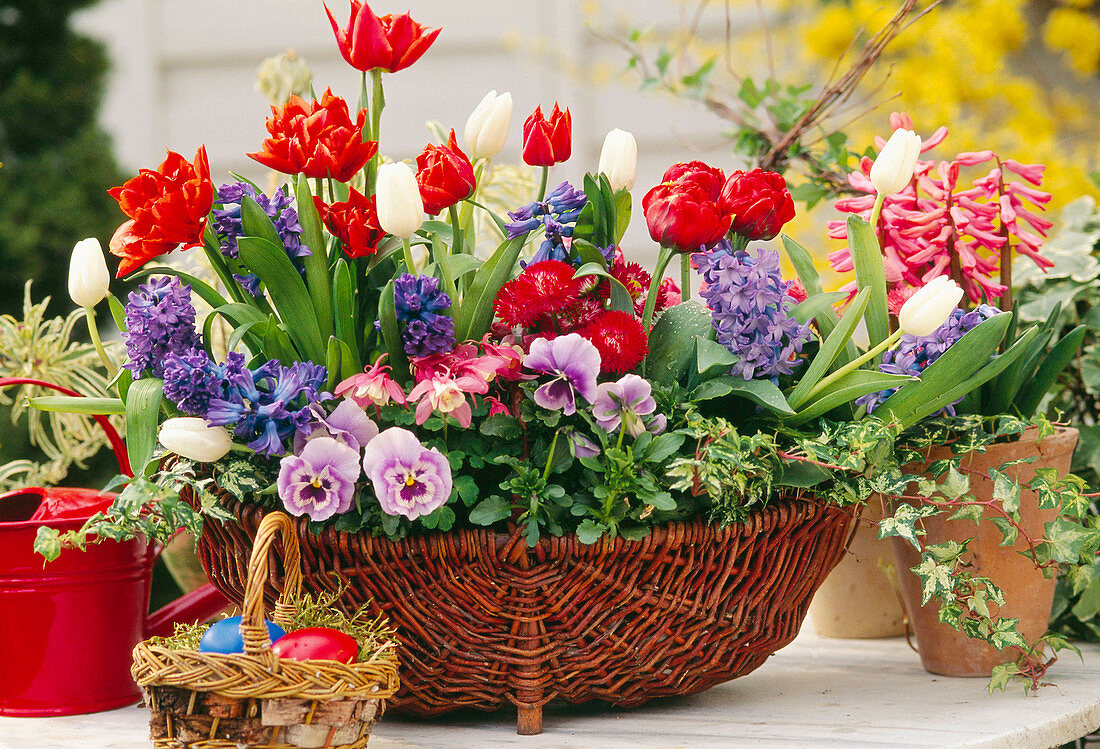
(255, 699)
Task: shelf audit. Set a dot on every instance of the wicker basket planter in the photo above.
(484, 621)
(254, 699)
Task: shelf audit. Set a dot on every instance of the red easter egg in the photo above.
(316, 643)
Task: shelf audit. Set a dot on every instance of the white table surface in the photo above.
(814, 693)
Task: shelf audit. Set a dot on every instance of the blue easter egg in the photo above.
(225, 636)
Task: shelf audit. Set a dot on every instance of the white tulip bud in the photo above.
(619, 159)
(893, 169)
(88, 274)
(192, 438)
(929, 307)
(487, 128)
(400, 207)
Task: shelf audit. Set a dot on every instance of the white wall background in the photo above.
(184, 70)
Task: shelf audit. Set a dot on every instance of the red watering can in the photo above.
(67, 627)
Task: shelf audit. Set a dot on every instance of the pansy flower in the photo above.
(408, 478)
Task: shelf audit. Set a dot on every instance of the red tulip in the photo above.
(684, 211)
(388, 42)
(167, 208)
(759, 202)
(445, 176)
(317, 139)
(547, 141)
(354, 222)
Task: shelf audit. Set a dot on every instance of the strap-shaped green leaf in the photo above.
(316, 263)
(803, 263)
(205, 291)
(391, 334)
(475, 314)
(79, 405)
(817, 307)
(288, 293)
(856, 383)
(762, 392)
(870, 274)
(346, 306)
(1059, 357)
(256, 223)
(142, 412)
(830, 349)
(965, 357)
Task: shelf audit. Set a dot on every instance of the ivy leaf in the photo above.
(1009, 532)
(1068, 540)
(904, 523)
(47, 542)
(935, 579)
(1005, 490)
(1002, 675)
(955, 485)
(968, 512)
(490, 510)
(948, 551)
(1005, 634)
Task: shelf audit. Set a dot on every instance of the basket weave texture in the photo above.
(485, 621)
(202, 700)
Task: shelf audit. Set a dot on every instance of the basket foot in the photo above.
(529, 721)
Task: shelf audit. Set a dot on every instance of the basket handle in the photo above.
(276, 525)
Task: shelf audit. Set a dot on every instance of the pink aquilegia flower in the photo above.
(442, 394)
(348, 423)
(373, 386)
(320, 482)
(408, 478)
(624, 403)
(496, 407)
(574, 363)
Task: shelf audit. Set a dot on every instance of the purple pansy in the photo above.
(408, 478)
(321, 481)
(419, 305)
(913, 354)
(624, 402)
(348, 423)
(574, 363)
(749, 307)
(227, 225)
(160, 320)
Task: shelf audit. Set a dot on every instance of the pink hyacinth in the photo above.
(936, 220)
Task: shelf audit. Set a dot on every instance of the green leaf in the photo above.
(1002, 675)
(816, 306)
(288, 293)
(345, 305)
(205, 291)
(762, 392)
(662, 447)
(118, 312)
(672, 341)
(1061, 354)
(870, 274)
(142, 415)
(475, 315)
(914, 401)
(467, 489)
(79, 405)
(589, 531)
(800, 474)
(1005, 490)
(391, 334)
(1005, 634)
(903, 523)
(622, 214)
(955, 484)
(857, 383)
(1068, 539)
(620, 297)
(47, 542)
(490, 510)
(935, 579)
(316, 263)
(712, 358)
(830, 349)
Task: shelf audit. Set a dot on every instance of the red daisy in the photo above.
(619, 338)
(542, 288)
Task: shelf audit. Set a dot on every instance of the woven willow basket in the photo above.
(256, 699)
(484, 621)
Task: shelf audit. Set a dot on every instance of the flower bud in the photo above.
(893, 169)
(400, 207)
(192, 438)
(487, 128)
(929, 307)
(88, 274)
(619, 159)
(283, 75)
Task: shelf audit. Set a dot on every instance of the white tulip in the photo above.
(893, 169)
(88, 274)
(400, 207)
(193, 438)
(619, 159)
(487, 128)
(929, 307)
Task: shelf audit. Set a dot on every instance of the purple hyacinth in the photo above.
(573, 361)
(556, 214)
(749, 303)
(624, 403)
(408, 478)
(268, 405)
(227, 225)
(913, 355)
(420, 303)
(160, 321)
(320, 482)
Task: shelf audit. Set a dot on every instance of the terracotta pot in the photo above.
(1028, 595)
(859, 598)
